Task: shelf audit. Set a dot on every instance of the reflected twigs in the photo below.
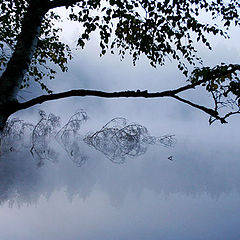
(116, 140)
(42, 136)
(15, 136)
(69, 138)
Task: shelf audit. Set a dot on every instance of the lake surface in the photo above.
(194, 196)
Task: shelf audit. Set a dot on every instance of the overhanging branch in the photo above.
(96, 93)
(212, 112)
(121, 94)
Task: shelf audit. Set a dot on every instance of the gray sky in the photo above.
(195, 196)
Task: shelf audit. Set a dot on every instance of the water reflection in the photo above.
(116, 140)
(192, 172)
(26, 148)
(194, 196)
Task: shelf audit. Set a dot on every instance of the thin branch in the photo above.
(231, 113)
(209, 111)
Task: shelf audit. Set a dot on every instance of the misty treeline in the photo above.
(116, 140)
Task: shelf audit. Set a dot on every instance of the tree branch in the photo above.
(138, 94)
(125, 94)
(121, 94)
(209, 111)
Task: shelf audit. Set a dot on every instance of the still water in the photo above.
(193, 195)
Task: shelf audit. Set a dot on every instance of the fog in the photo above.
(194, 196)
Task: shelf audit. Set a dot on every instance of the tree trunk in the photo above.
(6, 110)
(19, 63)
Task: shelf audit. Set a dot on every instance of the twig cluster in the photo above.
(116, 140)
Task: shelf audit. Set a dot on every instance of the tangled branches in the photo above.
(42, 137)
(69, 138)
(116, 140)
(15, 136)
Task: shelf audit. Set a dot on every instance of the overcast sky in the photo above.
(195, 196)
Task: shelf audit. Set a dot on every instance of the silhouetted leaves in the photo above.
(223, 82)
(49, 49)
(157, 29)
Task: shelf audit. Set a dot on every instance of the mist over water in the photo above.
(147, 196)
(197, 168)
(192, 195)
